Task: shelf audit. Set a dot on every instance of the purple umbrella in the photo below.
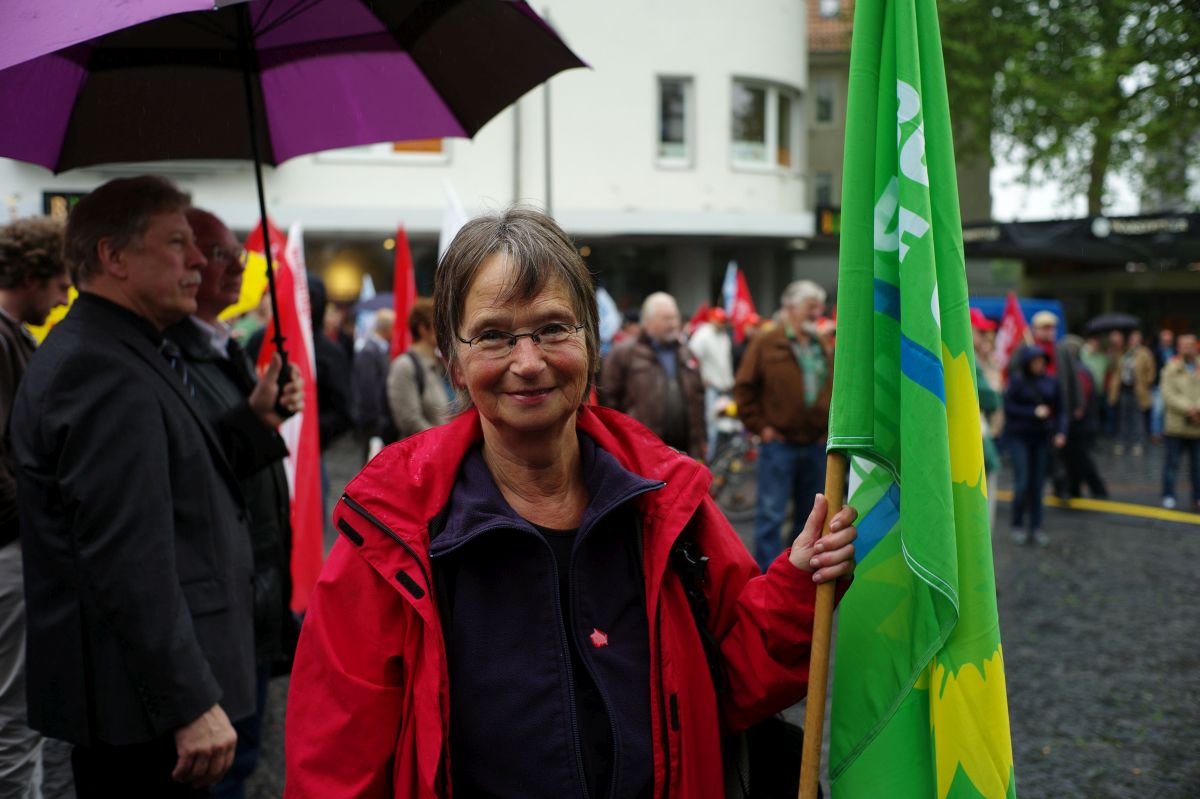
(265, 80)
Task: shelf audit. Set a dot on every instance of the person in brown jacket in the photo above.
(782, 391)
(656, 379)
(1130, 391)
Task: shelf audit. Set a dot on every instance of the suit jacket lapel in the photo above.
(137, 343)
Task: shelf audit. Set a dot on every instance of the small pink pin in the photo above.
(599, 639)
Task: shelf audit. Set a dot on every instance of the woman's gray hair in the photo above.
(801, 290)
(539, 251)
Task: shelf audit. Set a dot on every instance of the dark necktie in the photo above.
(170, 351)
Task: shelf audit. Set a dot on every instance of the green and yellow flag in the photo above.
(919, 703)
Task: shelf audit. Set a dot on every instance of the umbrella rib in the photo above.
(207, 26)
(286, 17)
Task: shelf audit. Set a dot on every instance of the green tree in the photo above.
(1079, 89)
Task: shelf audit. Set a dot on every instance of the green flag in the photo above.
(919, 703)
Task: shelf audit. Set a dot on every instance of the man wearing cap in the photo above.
(1064, 366)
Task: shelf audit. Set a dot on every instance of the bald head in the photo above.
(221, 276)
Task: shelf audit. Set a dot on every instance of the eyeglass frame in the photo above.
(533, 335)
(212, 253)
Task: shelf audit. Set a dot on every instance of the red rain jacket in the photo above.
(368, 710)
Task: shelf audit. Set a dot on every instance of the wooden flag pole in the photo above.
(818, 666)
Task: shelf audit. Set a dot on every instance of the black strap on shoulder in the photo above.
(419, 372)
(692, 567)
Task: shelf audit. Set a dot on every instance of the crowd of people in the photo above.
(521, 556)
(536, 549)
(1063, 397)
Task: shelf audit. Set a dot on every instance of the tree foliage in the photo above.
(1079, 89)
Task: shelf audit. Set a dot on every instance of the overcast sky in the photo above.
(1012, 202)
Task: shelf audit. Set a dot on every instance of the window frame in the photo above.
(829, 9)
(817, 83)
(688, 159)
(770, 126)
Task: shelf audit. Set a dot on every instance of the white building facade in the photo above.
(682, 147)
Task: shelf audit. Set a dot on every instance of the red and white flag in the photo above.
(739, 305)
(404, 294)
(1012, 333)
(698, 318)
(300, 432)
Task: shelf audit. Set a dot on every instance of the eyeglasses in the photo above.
(499, 343)
(219, 253)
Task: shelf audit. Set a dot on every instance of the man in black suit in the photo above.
(138, 563)
(242, 411)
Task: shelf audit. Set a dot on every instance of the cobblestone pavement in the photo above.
(1101, 641)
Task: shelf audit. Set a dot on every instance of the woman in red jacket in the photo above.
(501, 616)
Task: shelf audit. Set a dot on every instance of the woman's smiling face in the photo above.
(533, 389)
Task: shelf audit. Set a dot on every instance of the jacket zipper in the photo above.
(565, 649)
(366, 514)
(571, 602)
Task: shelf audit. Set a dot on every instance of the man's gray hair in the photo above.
(653, 301)
(800, 290)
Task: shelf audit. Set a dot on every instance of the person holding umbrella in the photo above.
(503, 613)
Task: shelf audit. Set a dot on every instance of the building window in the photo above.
(765, 125)
(823, 189)
(412, 151)
(823, 101)
(829, 8)
(675, 121)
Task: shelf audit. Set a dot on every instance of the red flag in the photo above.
(698, 318)
(1013, 331)
(300, 432)
(404, 293)
(742, 307)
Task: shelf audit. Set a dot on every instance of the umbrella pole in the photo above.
(249, 69)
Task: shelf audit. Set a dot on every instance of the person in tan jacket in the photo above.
(416, 381)
(1129, 390)
(782, 390)
(1181, 395)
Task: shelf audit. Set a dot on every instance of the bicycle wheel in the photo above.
(735, 488)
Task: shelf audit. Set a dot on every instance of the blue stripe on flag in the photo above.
(922, 367)
(887, 299)
(878, 522)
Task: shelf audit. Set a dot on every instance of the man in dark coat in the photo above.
(655, 379)
(242, 412)
(138, 564)
(33, 281)
(369, 400)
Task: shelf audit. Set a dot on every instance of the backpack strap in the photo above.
(419, 371)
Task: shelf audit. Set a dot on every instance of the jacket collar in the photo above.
(430, 463)
(477, 505)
